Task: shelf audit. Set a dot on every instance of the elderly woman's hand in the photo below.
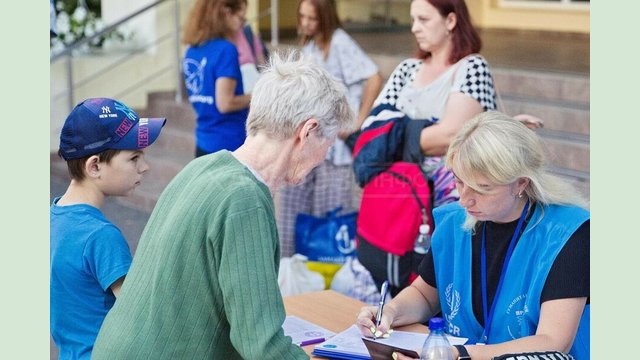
(530, 121)
(366, 322)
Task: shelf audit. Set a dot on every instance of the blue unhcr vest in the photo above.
(518, 308)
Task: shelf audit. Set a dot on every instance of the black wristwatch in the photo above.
(463, 354)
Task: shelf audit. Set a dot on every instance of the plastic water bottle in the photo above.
(421, 246)
(436, 346)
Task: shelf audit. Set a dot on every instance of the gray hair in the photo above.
(292, 90)
(503, 149)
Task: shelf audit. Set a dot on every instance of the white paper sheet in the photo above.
(304, 331)
(347, 342)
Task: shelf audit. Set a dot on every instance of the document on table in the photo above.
(303, 332)
(349, 345)
(346, 345)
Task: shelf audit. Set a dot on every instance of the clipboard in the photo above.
(351, 345)
(380, 351)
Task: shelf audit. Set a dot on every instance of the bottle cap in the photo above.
(436, 323)
(424, 229)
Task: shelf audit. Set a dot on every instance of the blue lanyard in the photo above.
(483, 271)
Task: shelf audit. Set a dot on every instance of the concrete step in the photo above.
(540, 85)
(562, 118)
(567, 154)
(550, 86)
(176, 140)
(163, 104)
(160, 95)
(179, 115)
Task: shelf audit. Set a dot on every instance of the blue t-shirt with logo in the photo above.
(202, 66)
(87, 255)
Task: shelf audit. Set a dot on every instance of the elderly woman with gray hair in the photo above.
(509, 262)
(204, 279)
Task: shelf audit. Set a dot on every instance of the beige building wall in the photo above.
(492, 14)
(495, 14)
(396, 11)
(286, 14)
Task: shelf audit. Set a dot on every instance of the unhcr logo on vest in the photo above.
(453, 303)
(516, 316)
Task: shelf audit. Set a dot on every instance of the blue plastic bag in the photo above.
(326, 239)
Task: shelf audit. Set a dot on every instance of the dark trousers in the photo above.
(398, 270)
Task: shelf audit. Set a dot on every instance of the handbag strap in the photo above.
(411, 187)
(248, 33)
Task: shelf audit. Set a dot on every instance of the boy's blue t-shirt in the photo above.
(202, 66)
(87, 255)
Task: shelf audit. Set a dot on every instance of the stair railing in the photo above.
(70, 51)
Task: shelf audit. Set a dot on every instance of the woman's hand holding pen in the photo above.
(366, 321)
(371, 320)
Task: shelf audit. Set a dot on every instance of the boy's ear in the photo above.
(92, 166)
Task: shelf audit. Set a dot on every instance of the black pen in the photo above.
(383, 294)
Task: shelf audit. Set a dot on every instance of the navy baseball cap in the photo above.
(98, 124)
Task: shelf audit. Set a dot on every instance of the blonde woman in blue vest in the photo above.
(509, 262)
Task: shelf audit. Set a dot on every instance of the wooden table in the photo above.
(331, 310)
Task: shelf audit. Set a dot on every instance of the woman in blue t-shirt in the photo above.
(212, 74)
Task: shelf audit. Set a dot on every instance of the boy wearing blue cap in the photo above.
(102, 141)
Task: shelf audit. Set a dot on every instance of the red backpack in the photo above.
(394, 205)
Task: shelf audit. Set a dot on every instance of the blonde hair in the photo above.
(293, 89)
(503, 150)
